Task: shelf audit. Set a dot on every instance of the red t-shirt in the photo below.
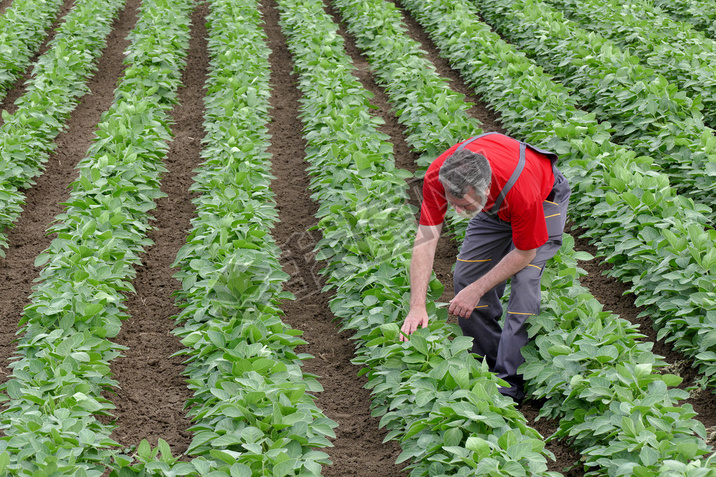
(522, 206)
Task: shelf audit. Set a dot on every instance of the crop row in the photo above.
(608, 390)
(59, 80)
(646, 112)
(688, 59)
(62, 368)
(22, 30)
(655, 238)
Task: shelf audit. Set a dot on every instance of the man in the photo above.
(516, 200)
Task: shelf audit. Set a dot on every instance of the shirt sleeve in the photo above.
(529, 227)
(434, 206)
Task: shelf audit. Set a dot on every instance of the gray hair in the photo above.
(465, 169)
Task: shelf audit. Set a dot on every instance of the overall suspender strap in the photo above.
(511, 181)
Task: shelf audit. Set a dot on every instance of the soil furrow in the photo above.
(358, 449)
(43, 201)
(152, 390)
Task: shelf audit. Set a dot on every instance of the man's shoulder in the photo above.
(494, 138)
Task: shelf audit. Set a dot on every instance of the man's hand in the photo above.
(465, 301)
(415, 318)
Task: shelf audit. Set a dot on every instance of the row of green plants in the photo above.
(432, 395)
(434, 116)
(699, 13)
(375, 24)
(56, 417)
(22, 30)
(253, 409)
(646, 112)
(59, 80)
(656, 239)
(611, 395)
(687, 59)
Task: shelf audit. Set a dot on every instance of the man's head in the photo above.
(466, 177)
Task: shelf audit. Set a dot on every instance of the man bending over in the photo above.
(516, 201)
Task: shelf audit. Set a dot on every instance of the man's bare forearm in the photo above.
(464, 303)
(510, 264)
(421, 269)
(421, 263)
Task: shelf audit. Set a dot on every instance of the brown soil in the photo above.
(152, 390)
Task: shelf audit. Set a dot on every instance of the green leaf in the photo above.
(144, 450)
(251, 434)
(452, 437)
(284, 468)
(42, 259)
(362, 161)
(89, 229)
(165, 451)
(390, 331)
(92, 309)
(240, 470)
(583, 256)
(414, 428)
(479, 446)
(507, 440)
(461, 376)
(227, 440)
(4, 457)
(649, 456)
(671, 380)
(224, 455)
(688, 449)
(419, 342)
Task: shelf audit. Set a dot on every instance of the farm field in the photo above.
(138, 388)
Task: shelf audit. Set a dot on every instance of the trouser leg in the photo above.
(487, 240)
(524, 302)
(525, 292)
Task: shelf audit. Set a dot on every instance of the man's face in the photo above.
(468, 206)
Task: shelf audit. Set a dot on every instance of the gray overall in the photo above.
(487, 240)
